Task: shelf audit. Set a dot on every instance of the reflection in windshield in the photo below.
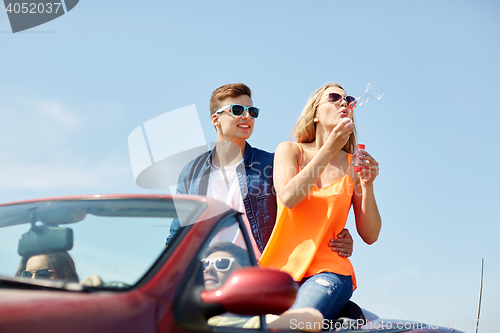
(220, 260)
(59, 266)
(118, 239)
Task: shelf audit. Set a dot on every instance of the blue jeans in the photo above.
(327, 292)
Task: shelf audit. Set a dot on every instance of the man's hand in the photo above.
(92, 281)
(343, 244)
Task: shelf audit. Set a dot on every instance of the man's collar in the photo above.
(247, 158)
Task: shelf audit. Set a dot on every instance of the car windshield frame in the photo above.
(68, 212)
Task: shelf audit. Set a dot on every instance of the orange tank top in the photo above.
(300, 238)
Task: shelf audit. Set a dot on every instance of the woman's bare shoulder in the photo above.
(288, 145)
(288, 148)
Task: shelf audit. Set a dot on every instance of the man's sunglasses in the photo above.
(337, 99)
(221, 264)
(238, 110)
(39, 274)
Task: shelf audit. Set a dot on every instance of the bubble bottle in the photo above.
(360, 148)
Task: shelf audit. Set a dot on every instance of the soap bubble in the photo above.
(373, 91)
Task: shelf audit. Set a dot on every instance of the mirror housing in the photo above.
(254, 291)
(45, 239)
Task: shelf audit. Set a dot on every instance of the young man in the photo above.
(238, 174)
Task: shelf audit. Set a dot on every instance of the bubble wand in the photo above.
(373, 91)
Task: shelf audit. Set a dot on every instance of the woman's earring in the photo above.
(315, 120)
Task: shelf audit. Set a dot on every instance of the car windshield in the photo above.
(112, 240)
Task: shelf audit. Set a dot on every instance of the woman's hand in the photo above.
(368, 221)
(370, 169)
(340, 134)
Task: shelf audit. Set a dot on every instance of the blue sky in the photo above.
(72, 91)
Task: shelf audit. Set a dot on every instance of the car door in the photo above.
(209, 270)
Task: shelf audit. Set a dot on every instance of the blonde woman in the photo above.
(316, 186)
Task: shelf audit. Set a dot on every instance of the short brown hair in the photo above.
(237, 252)
(227, 91)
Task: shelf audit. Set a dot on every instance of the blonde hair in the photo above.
(305, 128)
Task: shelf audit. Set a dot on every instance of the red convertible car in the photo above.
(99, 263)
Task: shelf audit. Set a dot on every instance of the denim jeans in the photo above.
(327, 292)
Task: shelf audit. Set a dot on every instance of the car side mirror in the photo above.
(45, 239)
(254, 291)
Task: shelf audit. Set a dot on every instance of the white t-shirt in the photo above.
(223, 186)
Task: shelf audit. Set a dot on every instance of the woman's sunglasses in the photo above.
(39, 274)
(238, 110)
(337, 99)
(221, 264)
